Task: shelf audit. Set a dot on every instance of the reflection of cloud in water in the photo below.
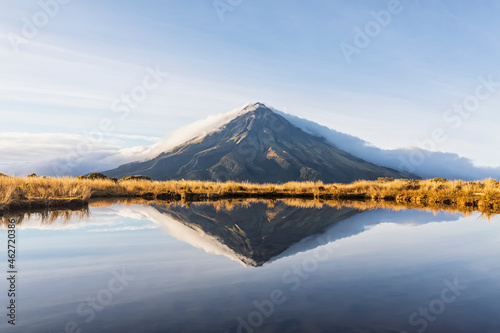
(100, 219)
(251, 235)
(191, 234)
(363, 222)
(124, 229)
(114, 219)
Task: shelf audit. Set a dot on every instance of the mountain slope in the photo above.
(258, 146)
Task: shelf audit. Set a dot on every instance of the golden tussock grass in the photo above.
(433, 194)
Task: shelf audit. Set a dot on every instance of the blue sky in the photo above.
(428, 57)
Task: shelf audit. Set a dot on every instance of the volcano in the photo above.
(260, 146)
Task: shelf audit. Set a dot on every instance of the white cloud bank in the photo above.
(56, 154)
(424, 163)
(68, 154)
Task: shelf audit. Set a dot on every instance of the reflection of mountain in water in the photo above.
(258, 232)
(251, 232)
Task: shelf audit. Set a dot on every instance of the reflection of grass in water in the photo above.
(230, 204)
(47, 217)
(434, 194)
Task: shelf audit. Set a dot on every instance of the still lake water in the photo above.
(255, 268)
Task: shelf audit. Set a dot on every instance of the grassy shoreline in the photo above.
(17, 194)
